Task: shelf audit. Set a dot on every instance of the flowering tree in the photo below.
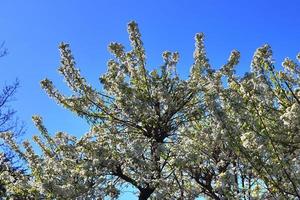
(215, 134)
(8, 122)
(250, 140)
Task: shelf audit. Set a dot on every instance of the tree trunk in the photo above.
(145, 193)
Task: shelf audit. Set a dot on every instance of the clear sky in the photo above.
(33, 29)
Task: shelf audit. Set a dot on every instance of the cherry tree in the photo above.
(215, 135)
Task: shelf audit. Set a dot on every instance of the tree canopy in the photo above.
(216, 134)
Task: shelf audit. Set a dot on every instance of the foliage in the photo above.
(215, 134)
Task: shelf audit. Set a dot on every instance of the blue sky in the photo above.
(32, 31)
